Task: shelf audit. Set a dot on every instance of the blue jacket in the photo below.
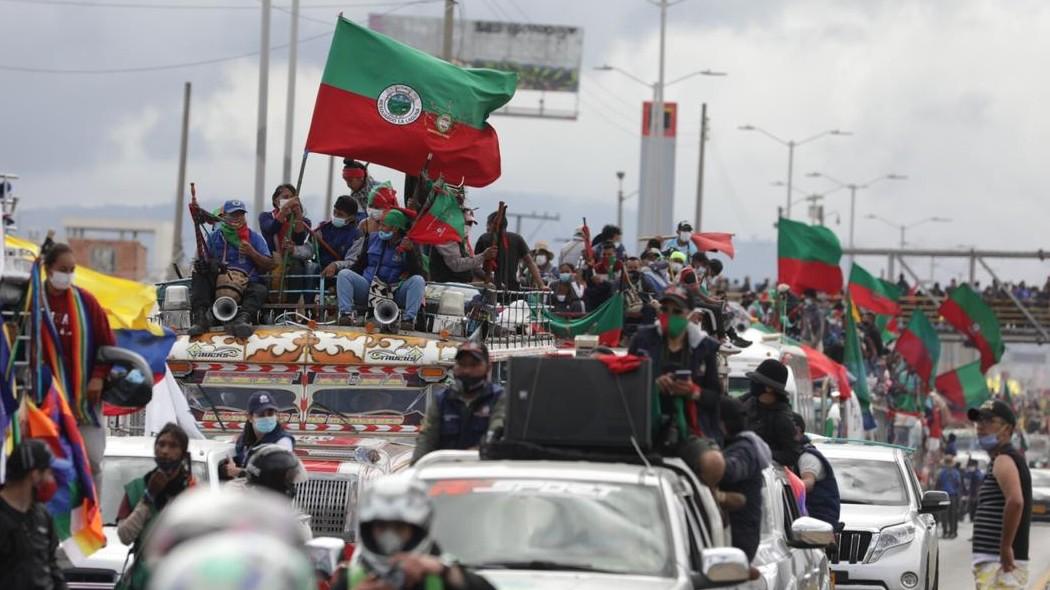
(949, 480)
(823, 502)
(242, 452)
(460, 427)
(339, 238)
(383, 259)
(231, 256)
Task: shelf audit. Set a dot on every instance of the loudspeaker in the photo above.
(579, 403)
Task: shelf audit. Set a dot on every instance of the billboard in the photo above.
(545, 57)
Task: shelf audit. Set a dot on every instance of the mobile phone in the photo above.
(683, 375)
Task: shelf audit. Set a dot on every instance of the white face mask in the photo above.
(61, 280)
(282, 202)
(676, 266)
(683, 236)
(616, 245)
(541, 259)
(375, 213)
(389, 542)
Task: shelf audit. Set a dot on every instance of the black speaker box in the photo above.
(577, 403)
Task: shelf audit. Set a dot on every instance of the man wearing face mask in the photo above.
(682, 242)
(565, 297)
(28, 542)
(676, 265)
(75, 310)
(610, 239)
(339, 233)
(769, 412)
(453, 262)
(360, 183)
(261, 428)
(458, 416)
(146, 496)
(544, 259)
(1004, 502)
(381, 199)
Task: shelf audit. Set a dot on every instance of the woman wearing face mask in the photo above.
(565, 297)
(677, 264)
(543, 256)
(76, 311)
(261, 428)
(146, 496)
(287, 230)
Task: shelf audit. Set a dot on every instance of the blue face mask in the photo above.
(338, 222)
(565, 277)
(988, 441)
(265, 424)
(386, 235)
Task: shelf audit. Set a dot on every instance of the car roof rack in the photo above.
(867, 443)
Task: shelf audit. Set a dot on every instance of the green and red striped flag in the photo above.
(853, 357)
(442, 223)
(969, 314)
(872, 293)
(385, 102)
(965, 387)
(808, 257)
(606, 321)
(920, 347)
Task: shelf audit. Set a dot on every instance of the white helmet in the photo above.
(202, 512)
(234, 561)
(398, 498)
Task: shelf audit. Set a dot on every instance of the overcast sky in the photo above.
(952, 93)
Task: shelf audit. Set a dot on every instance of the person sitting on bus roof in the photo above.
(287, 233)
(454, 262)
(459, 416)
(382, 199)
(262, 428)
(392, 259)
(233, 249)
(337, 236)
(360, 183)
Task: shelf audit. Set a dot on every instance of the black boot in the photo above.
(201, 322)
(240, 326)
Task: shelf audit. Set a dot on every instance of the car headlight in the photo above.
(893, 536)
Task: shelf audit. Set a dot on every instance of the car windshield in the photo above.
(1040, 478)
(553, 525)
(117, 472)
(868, 481)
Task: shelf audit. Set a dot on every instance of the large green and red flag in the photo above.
(443, 222)
(853, 357)
(969, 314)
(385, 102)
(965, 387)
(920, 347)
(606, 321)
(872, 293)
(808, 257)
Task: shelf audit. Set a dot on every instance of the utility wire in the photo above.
(184, 6)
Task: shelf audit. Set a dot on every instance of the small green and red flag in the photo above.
(872, 293)
(853, 357)
(808, 257)
(965, 387)
(442, 223)
(920, 347)
(606, 321)
(969, 314)
(384, 102)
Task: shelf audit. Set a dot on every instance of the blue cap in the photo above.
(234, 205)
(260, 401)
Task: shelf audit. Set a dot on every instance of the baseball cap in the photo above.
(677, 295)
(260, 401)
(685, 226)
(474, 349)
(993, 408)
(30, 454)
(234, 205)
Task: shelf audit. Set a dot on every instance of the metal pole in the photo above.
(328, 188)
(619, 202)
(658, 110)
(446, 41)
(700, 168)
(791, 169)
(903, 229)
(973, 266)
(289, 113)
(852, 211)
(260, 125)
(180, 189)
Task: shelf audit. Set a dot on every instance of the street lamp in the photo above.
(853, 188)
(812, 197)
(904, 227)
(619, 200)
(791, 144)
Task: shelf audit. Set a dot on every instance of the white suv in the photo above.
(889, 539)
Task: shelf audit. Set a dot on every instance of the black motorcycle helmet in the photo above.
(275, 468)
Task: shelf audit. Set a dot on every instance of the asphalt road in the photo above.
(956, 573)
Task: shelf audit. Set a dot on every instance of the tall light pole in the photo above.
(791, 144)
(260, 125)
(619, 200)
(289, 112)
(853, 188)
(904, 227)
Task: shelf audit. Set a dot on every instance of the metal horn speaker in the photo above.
(224, 309)
(386, 311)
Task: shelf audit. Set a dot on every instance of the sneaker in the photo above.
(740, 342)
(408, 325)
(347, 319)
(728, 349)
(197, 330)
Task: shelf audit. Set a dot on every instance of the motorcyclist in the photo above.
(396, 549)
(275, 468)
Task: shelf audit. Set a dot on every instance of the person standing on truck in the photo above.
(746, 455)
(28, 541)
(459, 416)
(261, 428)
(76, 311)
(146, 496)
(1004, 503)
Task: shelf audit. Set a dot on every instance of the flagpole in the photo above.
(302, 169)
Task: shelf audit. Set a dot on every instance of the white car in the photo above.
(126, 458)
(784, 562)
(889, 541)
(581, 525)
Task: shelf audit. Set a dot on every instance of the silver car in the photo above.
(890, 539)
(561, 524)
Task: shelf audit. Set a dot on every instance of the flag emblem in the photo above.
(399, 104)
(444, 123)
